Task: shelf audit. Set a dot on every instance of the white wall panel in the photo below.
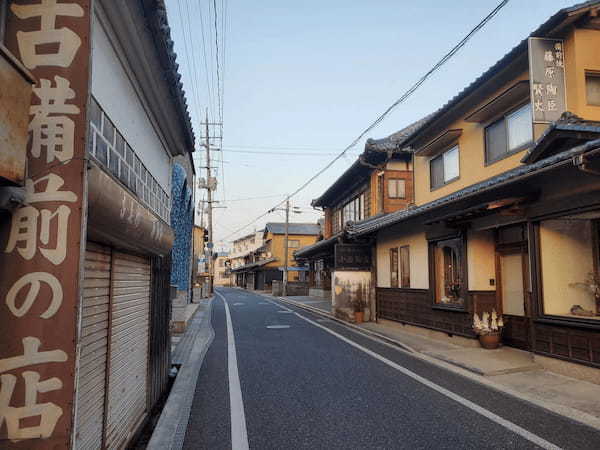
(115, 93)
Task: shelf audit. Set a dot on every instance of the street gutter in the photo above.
(172, 424)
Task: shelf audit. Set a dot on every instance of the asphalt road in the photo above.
(316, 384)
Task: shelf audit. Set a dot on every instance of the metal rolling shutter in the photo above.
(91, 379)
(127, 385)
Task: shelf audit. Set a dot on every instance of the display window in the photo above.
(569, 267)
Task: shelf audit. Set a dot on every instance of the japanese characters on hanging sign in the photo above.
(40, 246)
(547, 79)
(352, 257)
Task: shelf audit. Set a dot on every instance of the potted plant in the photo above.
(358, 306)
(489, 329)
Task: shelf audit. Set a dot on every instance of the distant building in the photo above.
(221, 268)
(266, 262)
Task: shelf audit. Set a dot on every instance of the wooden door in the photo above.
(513, 289)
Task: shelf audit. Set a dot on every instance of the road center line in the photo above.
(537, 440)
(239, 434)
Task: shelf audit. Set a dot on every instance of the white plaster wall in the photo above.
(481, 260)
(116, 95)
(419, 266)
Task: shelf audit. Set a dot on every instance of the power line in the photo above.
(254, 198)
(280, 153)
(404, 96)
(206, 72)
(218, 65)
(409, 92)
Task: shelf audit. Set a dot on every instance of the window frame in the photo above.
(353, 210)
(536, 273)
(504, 118)
(295, 241)
(460, 243)
(404, 275)
(394, 266)
(590, 74)
(396, 182)
(441, 155)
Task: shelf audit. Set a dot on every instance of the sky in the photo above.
(299, 81)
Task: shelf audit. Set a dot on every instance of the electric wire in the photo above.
(387, 111)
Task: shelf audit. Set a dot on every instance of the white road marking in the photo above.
(263, 303)
(285, 312)
(239, 434)
(280, 306)
(238, 304)
(277, 327)
(457, 398)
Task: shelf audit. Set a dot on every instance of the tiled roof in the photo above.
(374, 224)
(311, 229)
(164, 44)
(569, 124)
(253, 265)
(358, 170)
(395, 141)
(309, 250)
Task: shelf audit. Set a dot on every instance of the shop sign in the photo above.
(547, 79)
(352, 257)
(40, 245)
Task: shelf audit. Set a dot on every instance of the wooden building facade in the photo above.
(507, 202)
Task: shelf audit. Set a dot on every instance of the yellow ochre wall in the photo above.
(419, 266)
(481, 260)
(471, 158)
(581, 54)
(278, 249)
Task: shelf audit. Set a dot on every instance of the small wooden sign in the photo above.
(352, 257)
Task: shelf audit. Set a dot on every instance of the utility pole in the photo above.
(210, 222)
(285, 244)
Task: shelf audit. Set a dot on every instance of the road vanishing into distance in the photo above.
(277, 377)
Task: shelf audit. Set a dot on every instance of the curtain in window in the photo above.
(451, 164)
(520, 127)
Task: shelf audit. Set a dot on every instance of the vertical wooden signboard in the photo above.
(547, 75)
(40, 246)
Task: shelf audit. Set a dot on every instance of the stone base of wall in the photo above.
(320, 293)
(347, 314)
(179, 317)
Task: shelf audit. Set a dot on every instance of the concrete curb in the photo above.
(172, 424)
(565, 411)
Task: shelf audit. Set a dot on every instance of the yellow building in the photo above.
(506, 202)
(222, 274)
(268, 260)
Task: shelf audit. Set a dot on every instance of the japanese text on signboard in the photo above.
(547, 78)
